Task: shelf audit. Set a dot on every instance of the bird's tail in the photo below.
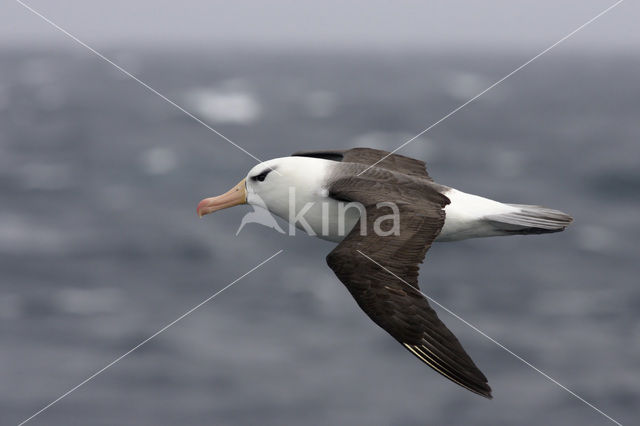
(530, 220)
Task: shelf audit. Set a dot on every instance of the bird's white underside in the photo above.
(301, 187)
(464, 216)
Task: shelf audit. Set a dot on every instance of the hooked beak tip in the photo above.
(200, 207)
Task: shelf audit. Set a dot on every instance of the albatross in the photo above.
(399, 212)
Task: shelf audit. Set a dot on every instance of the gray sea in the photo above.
(100, 245)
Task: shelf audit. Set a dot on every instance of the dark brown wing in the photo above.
(397, 306)
(368, 156)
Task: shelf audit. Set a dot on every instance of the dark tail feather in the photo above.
(530, 220)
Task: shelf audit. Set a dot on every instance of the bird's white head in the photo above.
(270, 185)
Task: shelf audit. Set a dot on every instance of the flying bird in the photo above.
(399, 212)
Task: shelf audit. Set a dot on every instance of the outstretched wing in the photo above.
(368, 156)
(381, 272)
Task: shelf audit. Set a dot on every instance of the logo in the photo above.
(262, 216)
(259, 215)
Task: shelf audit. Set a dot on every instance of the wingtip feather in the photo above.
(479, 387)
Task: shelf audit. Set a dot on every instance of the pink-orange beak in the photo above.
(233, 197)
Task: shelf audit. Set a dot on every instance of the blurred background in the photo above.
(100, 245)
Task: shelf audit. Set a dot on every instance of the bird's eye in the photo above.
(262, 176)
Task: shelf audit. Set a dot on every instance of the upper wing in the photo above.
(368, 156)
(385, 285)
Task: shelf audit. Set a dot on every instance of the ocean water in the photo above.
(100, 245)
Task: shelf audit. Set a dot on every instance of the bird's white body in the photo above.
(465, 216)
(298, 194)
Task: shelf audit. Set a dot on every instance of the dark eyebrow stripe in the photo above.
(265, 172)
